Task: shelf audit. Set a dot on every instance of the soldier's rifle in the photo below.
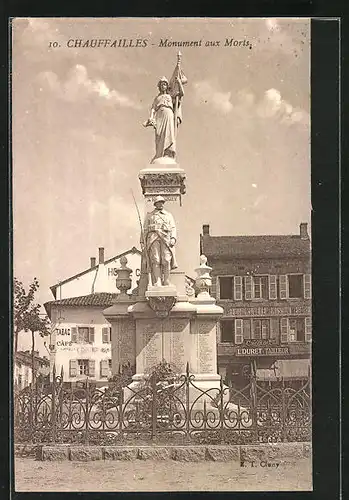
(143, 242)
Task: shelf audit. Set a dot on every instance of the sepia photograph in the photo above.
(162, 254)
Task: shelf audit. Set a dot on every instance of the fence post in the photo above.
(53, 402)
(283, 412)
(121, 401)
(221, 409)
(87, 413)
(154, 408)
(254, 407)
(187, 402)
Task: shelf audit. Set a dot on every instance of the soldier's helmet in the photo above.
(159, 198)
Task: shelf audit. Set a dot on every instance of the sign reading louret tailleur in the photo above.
(261, 351)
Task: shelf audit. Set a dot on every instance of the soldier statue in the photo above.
(159, 241)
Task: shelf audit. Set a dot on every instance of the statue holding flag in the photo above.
(166, 113)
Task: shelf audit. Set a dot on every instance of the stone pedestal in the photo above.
(123, 334)
(162, 178)
(186, 335)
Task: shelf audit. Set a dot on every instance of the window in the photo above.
(260, 329)
(265, 329)
(296, 330)
(106, 331)
(83, 366)
(226, 287)
(105, 366)
(227, 331)
(295, 286)
(83, 334)
(256, 328)
(260, 286)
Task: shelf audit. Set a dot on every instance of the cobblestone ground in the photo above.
(32, 475)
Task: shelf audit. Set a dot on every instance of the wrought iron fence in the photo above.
(179, 412)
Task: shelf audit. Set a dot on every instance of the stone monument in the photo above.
(165, 320)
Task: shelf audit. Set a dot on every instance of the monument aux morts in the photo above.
(165, 321)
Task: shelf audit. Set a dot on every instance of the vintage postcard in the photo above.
(162, 254)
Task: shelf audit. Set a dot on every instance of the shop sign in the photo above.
(238, 312)
(261, 351)
(260, 342)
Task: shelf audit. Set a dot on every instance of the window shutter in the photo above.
(274, 329)
(283, 286)
(105, 334)
(104, 368)
(307, 286)
(91, 367)
(238, 331)
(91, 335)
(73, 367)
(308, 329)
(237, 287)
(272, 287)
(74, 334)
(248, 288)
(284, 329)
(247, 329)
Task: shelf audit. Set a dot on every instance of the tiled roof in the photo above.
(254, 246)
(26, 358)
(102, 299)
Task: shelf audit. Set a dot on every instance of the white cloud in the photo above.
(274, 106)
(205, 93)
(78, 86)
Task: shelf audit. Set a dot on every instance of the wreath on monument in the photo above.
(164, 389)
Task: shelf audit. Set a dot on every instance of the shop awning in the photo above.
(293, 368)
(285, 369)
(267, 374)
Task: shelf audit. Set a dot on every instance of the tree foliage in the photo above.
(26, 313)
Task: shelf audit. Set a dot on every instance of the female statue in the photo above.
(165, 116)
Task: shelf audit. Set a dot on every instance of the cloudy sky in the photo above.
(78, 140)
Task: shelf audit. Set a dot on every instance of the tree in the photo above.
(26, 315)
(22, 303)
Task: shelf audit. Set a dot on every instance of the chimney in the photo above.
(101, 255)
(303, 231)
(93, 261)
(206, 229)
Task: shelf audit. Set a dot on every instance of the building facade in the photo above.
(23, 369)
(80, 340)
(263, 284)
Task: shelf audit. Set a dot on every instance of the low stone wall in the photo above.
(266, 455)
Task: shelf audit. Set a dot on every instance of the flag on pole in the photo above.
(175, 90)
